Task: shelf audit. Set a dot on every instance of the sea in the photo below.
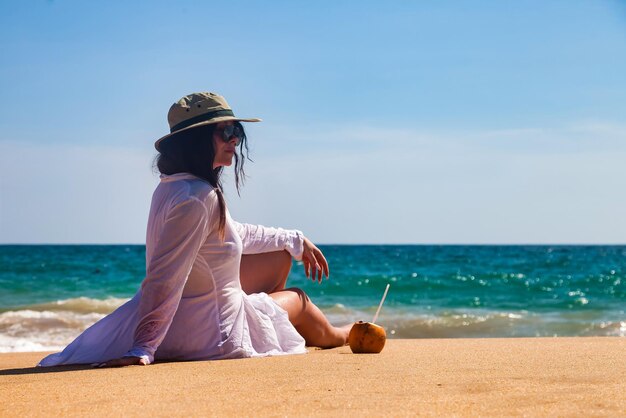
(50, 293)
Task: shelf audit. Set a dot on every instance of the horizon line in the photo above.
(350, 244)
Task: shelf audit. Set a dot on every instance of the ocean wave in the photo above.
(80, 305)
(51, 325)
(483, 324)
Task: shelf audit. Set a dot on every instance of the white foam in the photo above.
(13, 344)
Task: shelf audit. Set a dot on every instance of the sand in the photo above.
(434, 377)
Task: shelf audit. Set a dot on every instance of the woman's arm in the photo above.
(261, 239)
(183, 233)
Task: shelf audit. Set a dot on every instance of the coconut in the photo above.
(366, 337)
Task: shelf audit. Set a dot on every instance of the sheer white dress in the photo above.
(190, 305)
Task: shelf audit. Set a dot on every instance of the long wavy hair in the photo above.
(192, 151)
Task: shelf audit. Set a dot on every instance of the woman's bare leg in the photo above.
(265, 272)
(309, 321)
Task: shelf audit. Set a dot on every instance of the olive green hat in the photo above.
(199, 109)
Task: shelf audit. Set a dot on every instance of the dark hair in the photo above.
(191, 151)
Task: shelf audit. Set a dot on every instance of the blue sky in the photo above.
(384, 122)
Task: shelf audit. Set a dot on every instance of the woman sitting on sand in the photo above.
(192, 304)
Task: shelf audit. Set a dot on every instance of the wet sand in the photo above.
(434, 377)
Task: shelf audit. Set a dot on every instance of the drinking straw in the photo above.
(381, 304)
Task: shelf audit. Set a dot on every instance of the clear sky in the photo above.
(384, 122)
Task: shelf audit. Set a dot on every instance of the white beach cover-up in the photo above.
(191, 305)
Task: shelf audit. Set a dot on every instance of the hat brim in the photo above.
(208, 122)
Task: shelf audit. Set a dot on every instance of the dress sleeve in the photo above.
(184, 231)
(262, 239)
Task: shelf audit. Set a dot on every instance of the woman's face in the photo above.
(224, 150)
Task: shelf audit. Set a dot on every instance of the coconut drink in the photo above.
(367, 337)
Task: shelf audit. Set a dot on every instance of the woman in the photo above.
(191, 304)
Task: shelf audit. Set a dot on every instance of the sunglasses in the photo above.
(227, 132)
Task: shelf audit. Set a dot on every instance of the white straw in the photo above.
(381, 304)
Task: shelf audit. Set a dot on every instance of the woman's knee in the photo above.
(300, 294)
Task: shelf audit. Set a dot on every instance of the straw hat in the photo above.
(198, 109)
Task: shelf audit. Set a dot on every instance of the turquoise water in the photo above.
(50, 293)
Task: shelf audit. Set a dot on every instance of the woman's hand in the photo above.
(314, 262)
(124, 361)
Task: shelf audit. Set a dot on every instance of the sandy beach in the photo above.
(434, 377)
